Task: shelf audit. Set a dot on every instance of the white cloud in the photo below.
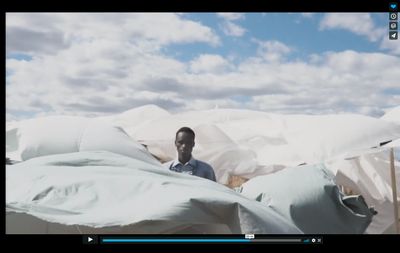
(229, 27)
(73, 76)
(65, 29)
(209, 63)
(109, 64)
(204, 104)
(169, 28)
(107, 54)
(272, 51)
(353, 62)
(392, 45)
(361, 24)
(232, 29)
(358, 23)
(231, 15)
(336, 82)
(340, 82)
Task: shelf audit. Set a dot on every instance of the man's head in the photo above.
(184, 142)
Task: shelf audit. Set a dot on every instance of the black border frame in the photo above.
(73, 242)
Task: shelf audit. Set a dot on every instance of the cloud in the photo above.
(361, 24)
(229, 27)
(354, 62)
(169, 28)
(337, 82)
(97, 105)
(163, 84)
(78, 55)
(61, 29)
(209, 63)
(392, 45)
(232, 29)
(345, 81)
(358, 23)
(111, 63)
(273, 51)
(22, 40)
(231, 16)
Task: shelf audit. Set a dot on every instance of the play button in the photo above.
(90, 239)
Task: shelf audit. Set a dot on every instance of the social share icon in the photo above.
(393, 16)
(393, 25)
(393, 35)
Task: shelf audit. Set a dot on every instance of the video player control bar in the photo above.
(115, 240)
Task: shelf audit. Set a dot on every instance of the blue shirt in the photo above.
(192, 167)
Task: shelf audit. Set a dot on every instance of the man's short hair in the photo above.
(185, 130)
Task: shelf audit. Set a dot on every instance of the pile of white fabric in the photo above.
(236, 142)
(65, 134)
(103, 192)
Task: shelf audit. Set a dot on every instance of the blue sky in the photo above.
(93, 64)
(291, 29)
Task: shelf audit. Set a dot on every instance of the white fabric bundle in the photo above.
(308, 196)
(265, 142)
(107, 192)
(66, 134)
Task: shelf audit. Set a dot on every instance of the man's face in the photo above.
(184, 145)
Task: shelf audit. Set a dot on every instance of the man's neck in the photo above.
(184, 161)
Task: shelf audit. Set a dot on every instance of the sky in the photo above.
(97, 64)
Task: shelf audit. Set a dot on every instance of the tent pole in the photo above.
(394, 191)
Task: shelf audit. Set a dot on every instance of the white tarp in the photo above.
(248, 143)
(101, 189)
(314, 203)
(265, 142)
(392, 115)
(132, 119)
(65, 134)
(369, 175)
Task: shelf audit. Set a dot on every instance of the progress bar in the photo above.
(117, 240)
(214, 240)
(277, 240)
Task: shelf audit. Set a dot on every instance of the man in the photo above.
(185, 163)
